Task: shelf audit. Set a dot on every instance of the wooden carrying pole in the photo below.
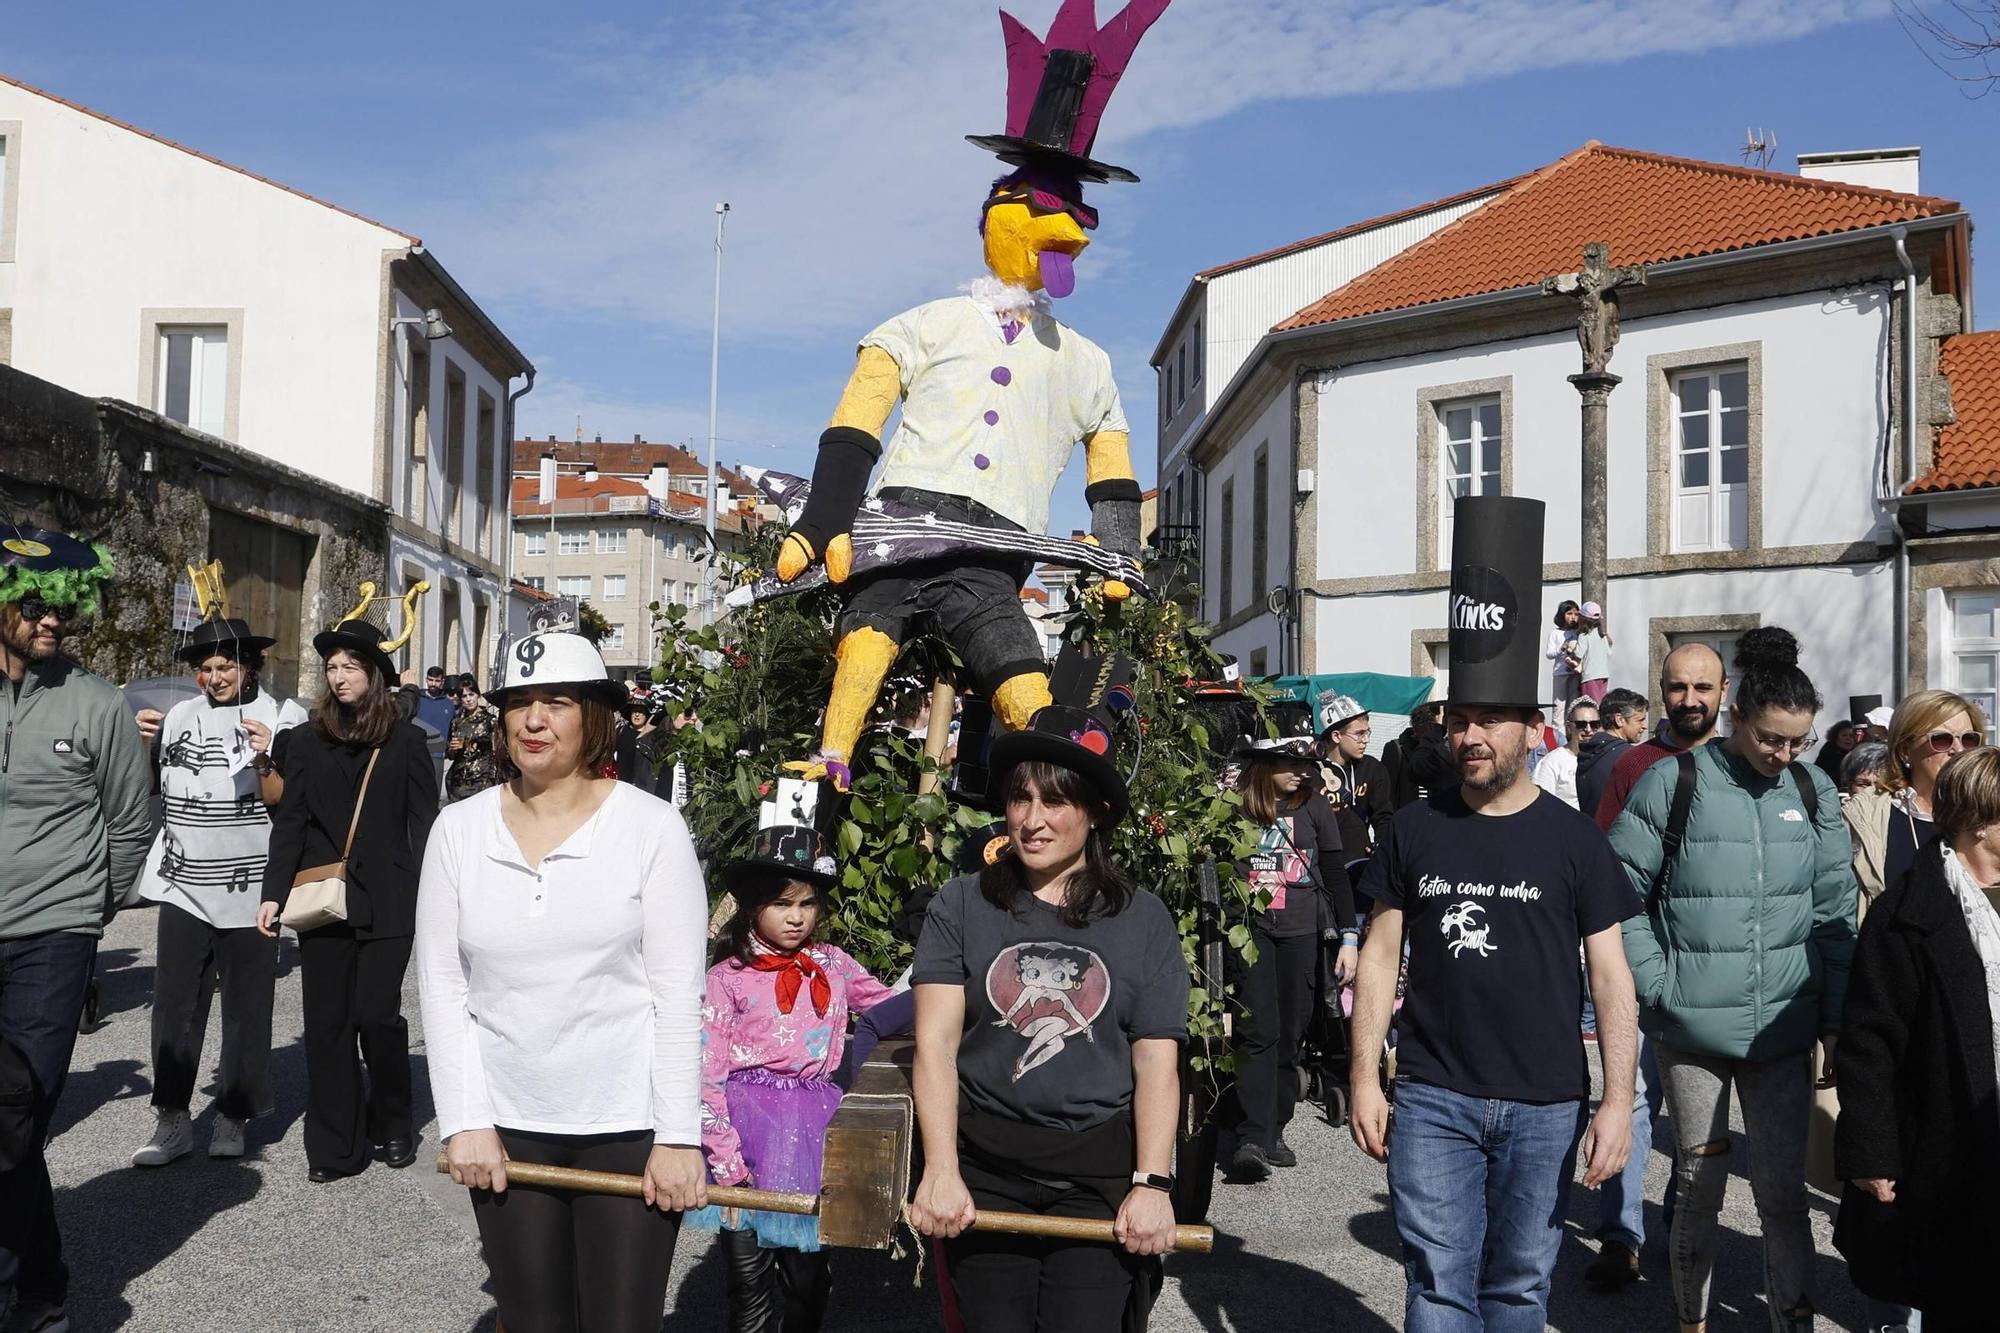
(1196, 1238)
(633, 1187)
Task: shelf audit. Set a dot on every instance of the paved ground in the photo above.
(251, 1245)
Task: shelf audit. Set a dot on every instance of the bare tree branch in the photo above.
(1960, 37)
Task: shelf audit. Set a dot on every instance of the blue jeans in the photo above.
(1621, 1202)
(1478, 1188)
(42, 980)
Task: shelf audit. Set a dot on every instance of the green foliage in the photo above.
(759, 679)
(591, 624)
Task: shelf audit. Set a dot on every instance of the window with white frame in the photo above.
(534, 543)
(1469, 444)
(573, 585)
(1972, 663)
(1180, 377)
(193, 375)
(534, 581)
(690, 595)
(611, 540)
(1712, 458)
(614, 587)
(573, 541)
(616, 638)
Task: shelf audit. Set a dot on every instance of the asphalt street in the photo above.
(251, 1245)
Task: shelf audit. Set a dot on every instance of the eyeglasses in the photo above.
(37, 608)
(1944, 742)
(1782, 744)
(1586, 724)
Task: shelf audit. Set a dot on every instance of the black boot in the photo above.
(808, 1282)
(756, 1290)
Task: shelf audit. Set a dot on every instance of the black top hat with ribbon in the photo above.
(1059, 85)
(364, 638)
(221, 632)
(791, 850)
(1293, 741)
(1078, 739)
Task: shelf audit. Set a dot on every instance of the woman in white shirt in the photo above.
(560, 936)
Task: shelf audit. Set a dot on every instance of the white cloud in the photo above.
(834, 132)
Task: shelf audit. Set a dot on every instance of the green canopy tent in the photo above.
(1397, 695)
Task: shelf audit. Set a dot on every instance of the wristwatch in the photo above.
(1153, 1182)
(263, 763)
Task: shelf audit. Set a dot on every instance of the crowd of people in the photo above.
(1727, 921)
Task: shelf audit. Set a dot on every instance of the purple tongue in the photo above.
(1058, 273)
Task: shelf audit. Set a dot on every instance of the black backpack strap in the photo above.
(1677, 827)
(1808, 794)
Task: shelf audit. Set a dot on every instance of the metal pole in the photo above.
(714, 359)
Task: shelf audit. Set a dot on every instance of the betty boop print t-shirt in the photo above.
(1051, 1010)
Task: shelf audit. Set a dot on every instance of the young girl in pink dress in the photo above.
(773, 1026)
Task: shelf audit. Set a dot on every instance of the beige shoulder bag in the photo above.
(319, 894)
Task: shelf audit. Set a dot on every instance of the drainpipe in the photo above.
(1903, 475)
(507, 565)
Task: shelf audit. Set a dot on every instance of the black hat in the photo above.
(792, 850)
(1496, 581)
(358, 636)
(1294, 740)
(221, 631)
(1074, 738)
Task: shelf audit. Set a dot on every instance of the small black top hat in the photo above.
(359, 636)
(791, 850)
(1074, 738)
(220, 632)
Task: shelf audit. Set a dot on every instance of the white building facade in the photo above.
(132, 267)
(1755, 444)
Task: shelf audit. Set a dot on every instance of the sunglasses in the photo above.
(1944, 742)
(1043, 201)
(1586, 724)
(37, 608)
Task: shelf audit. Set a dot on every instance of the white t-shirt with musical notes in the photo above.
(215, 834)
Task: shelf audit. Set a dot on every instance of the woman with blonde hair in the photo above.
(1888, 825)
(1917, 1139)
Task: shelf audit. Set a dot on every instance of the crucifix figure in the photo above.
(1597, 289)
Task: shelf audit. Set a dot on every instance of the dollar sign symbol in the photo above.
(529, 653)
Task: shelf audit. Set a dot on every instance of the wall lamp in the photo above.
(432, 323)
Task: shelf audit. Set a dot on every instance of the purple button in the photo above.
(981, 461)
(1002, 376)
(992, 418)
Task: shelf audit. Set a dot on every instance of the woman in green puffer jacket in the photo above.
(1741, 964)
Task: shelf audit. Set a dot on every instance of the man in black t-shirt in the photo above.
(1494, 885)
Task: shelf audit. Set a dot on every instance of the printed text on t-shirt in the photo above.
(1437, 886)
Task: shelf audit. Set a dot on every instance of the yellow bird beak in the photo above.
(1033, 250)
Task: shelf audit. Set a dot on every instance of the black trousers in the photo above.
(774, 1290)
(193, 957)
(1277, 992)
(576, 1263)
(353, 993)
(1025, 1284)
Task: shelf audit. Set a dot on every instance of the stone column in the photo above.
(1595, 387)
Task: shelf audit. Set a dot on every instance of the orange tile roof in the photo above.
(1647, 207)
(1968, 450)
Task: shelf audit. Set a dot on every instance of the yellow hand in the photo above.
(840, 558)
(793, 558)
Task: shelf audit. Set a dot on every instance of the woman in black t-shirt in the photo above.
(1297, 874)
(1051, 1004)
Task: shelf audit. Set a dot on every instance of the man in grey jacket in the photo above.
(76, 822)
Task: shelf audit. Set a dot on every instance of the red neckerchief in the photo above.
(794, 969)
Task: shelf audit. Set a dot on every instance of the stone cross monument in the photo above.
(1596, 289)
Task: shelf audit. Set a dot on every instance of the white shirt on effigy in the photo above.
(983, 417)
(215, 834)
(564, 998)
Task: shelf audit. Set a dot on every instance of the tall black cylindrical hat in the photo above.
(1496, 600)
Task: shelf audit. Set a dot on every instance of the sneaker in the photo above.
(1281, 1154)
(173, 1136)
(32, 1315)
(1250, 1163)
(1614, 1266)
(226, 1138)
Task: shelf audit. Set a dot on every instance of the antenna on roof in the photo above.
(1759, 148)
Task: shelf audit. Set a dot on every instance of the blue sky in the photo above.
(564, 165)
